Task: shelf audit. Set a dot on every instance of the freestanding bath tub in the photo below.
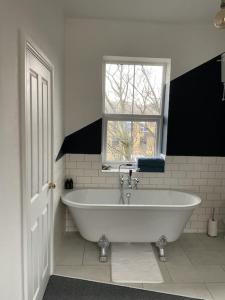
(150, 214)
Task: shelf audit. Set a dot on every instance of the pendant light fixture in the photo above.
(219, 20)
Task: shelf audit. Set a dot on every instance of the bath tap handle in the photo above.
(135, 181)
(121, 180)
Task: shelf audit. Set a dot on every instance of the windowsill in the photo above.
(157, 167)
(115, 170)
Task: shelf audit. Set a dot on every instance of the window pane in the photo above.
(127, 140)
(119, 88)
(148, 90)
(144, 139)
(118, 144)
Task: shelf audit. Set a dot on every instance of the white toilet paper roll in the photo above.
(212, 228)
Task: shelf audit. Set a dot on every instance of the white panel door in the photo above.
(38, 173)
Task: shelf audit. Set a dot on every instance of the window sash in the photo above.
(124, 60)
(132, 118)
(148, 63)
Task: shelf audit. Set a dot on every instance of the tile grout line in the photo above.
(83, 254)
(110, 266)
(168, 272)
(209, 291)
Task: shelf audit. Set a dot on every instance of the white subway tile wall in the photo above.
(204, 176)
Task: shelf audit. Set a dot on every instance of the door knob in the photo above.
(51, 185)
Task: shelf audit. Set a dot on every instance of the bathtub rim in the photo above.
(74, 204)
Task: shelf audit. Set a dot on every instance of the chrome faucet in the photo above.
(131, 182)
(121, 183)
(121, 177)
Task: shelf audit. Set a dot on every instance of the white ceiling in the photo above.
(168, 11)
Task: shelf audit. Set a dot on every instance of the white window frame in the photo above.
(159, 119)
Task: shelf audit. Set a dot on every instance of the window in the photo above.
(133, 108)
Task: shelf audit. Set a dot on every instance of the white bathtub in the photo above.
(150, 214)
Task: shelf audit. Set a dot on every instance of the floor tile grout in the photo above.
(185, 249)
(209, 291)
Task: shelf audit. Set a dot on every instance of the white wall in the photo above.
(43, 21)
(87, 41)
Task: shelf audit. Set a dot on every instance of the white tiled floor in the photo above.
(195, 266)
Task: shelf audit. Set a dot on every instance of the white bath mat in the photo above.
(134, 262)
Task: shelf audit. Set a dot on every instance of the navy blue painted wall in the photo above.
(196, 112)
(84, 141)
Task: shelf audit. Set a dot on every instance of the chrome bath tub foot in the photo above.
(161, 244)
(103, 244)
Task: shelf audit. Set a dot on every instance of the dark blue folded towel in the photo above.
(151, 164)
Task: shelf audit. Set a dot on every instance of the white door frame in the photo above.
(26, 44)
